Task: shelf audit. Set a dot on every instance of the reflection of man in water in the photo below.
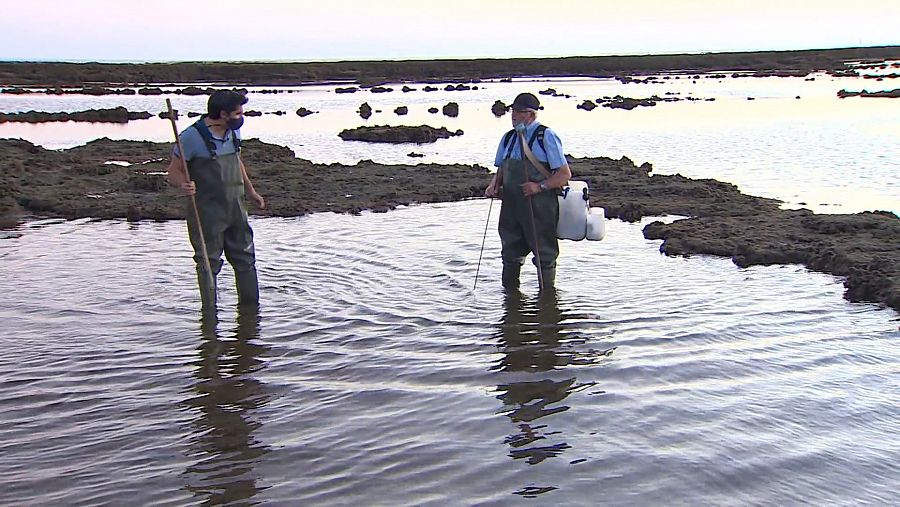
(226, 395)
(530, 340)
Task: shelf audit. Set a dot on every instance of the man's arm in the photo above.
(557, 179)
(176, 176)
(560, 177)
(493, 188)
(248, 187)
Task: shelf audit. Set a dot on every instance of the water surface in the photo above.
(374, 374)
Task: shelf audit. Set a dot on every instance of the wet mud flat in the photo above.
(107, 179)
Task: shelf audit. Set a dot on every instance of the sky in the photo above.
(301, 30)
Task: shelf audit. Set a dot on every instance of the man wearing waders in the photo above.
(530, 208)
(212, 151)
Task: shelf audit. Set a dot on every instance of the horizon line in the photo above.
(444, 58)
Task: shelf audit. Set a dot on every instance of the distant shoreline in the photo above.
(440, 58)
(794, 62)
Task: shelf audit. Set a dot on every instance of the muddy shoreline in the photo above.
(762, 63)
(79, 182)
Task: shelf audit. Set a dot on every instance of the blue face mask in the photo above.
(520, 127)
(235, 123)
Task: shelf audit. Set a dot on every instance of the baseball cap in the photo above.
(526, 101)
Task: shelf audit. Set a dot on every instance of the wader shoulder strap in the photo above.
(236, 142)
(507, 144)
(538, 135)
(204, 132)
(531, 158)
(207, 136)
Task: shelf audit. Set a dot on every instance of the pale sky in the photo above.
(301, 30)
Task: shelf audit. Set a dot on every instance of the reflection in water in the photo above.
(740, 386)
(226, 394)
(534, 340)
(531, 336)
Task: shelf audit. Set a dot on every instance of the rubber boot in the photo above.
(207, 291)
(248, 322)
(209, 322)
(548, 276)
(247, 287)
(510, 277)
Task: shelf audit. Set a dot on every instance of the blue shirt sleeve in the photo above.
(554, 150)
(190, 138)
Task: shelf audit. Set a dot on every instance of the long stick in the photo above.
(187, 175)
(537, 165)
(537, 255)
(484, 237)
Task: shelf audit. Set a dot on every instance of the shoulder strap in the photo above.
(540, 136)
(507, 144)
(203, 129)
(531, 158)
(537, 135)
(540, 139)
(236, 142)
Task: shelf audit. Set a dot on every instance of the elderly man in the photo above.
(531, 167)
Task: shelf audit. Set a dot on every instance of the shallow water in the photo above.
(375, 375)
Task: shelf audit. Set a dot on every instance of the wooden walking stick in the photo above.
(187, 175)
(537, 254)
(537, 165)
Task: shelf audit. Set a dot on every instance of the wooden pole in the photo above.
(537, 254)
(187, 176)
(537, 165)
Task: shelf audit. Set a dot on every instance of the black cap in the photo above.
(526, 101)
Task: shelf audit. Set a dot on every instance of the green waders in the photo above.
(517, 237)
(223, 215)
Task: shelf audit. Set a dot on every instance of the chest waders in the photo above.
(519, 236)
(223, 216)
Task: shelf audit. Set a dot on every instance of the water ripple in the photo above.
(374, 374)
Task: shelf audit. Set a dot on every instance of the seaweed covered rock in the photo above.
(401, 134)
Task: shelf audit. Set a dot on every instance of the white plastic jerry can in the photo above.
(573, 211)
